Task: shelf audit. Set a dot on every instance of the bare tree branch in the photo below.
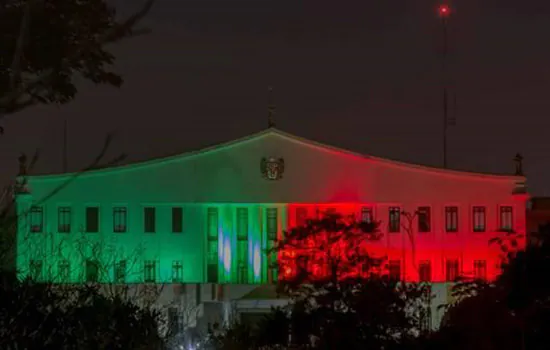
(8, 102)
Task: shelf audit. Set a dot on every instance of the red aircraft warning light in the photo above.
(444, 10)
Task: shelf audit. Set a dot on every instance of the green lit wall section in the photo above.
(139, 249)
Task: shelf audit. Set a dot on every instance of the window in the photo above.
(479, 219)
(424, 219)
(149, 224)
(425, 271)
(480, 269)
(394, 269)
(451, 219)
(452, 270)
(64, 219)
(212, 223)
(177, 271)
(367, 215)
(63, 269)
(301, 216)
(120, 216)
(272, 224)
(242, 224)
(92, 271)
(177, 220)
(35, 270)
(242, 261)
(92, 219)
(506, 218)
(150, 271)
(212, 245)
(395, 219)
(242, 245)
(120, 271)
(37, 219)
(174, 324)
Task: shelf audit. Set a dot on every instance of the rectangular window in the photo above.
(242, 224)
(177, 271)
(149, 220)
(451, 219)
(301, 217)
(177, 220)
(367, 215)
(506, 218)
(63, 269)
(92, 271)
(92, 219)
(37, 219)
(212, 224)
(424, 219)
(451, 270)
(150, 271)
(64, 219)
(394, 270)
(36, 270)
(120, 217)
(120, 271)
(394, 219)
(425, 271)
(479, 219)
(480, 269)
(242, 261)
(272, 224)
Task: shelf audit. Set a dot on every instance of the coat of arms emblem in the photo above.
(272, 168)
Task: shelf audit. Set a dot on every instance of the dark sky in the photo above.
(362, 74)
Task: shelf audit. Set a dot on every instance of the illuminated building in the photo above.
(205, 218)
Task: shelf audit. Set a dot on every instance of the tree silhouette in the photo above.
(46, 44)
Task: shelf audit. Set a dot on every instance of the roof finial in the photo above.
(518, 159)
(270, 109)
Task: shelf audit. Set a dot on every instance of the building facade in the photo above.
(205, 219)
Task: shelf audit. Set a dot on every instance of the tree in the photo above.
(46, 316)
(47, 43)
(343, 296)
(511, 312)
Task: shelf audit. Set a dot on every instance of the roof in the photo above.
(283, 134)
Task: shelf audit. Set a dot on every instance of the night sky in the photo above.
(362, 75)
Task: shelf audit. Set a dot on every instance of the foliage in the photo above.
(510, 313)
(47, 43)
(45, 316)
(341, 295)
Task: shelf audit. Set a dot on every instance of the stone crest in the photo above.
(272, 168)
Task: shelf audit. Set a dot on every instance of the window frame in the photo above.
(62, 212)
(419, 210)
(458, 270)
(177, 271)
(428, 264)
(150, 271)
(177, 225)
(392, 209)
(366, 214)
(501, 212)
(149, 223)
(98, 218)
(33, 211)
(447, 210)
(120, 211)
(476, 210)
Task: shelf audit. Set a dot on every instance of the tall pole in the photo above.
(444, 12)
